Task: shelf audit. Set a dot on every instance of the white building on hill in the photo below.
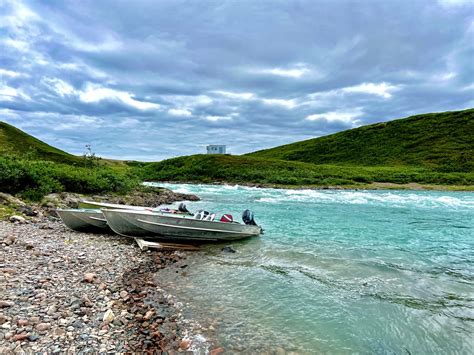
(215, 149)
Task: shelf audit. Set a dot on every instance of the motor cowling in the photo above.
(182, 208)
(248, 218)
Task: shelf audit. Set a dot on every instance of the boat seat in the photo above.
(209, 217)
(203, 215)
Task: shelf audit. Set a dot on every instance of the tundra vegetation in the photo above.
(433, 150)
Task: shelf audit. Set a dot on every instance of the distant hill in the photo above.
(440, 141)
(16, 142)
(250, 170)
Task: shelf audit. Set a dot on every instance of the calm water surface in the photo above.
(386, 272)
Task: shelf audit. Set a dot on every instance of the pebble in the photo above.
(20, 337)
(89, 277)
(184, 344)
(5, 304)
(108, 316)
(33, 337)
(42, 327)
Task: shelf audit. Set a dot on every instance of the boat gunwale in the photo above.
(193, 228)
(169, 215)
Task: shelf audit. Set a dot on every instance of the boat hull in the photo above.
(175, 228)
(84, 220)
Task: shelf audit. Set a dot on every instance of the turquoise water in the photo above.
(386, 272)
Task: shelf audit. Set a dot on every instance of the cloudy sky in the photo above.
(150, 80)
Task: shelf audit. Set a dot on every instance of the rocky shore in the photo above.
(64, 291)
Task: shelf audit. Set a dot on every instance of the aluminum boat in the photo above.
(87, 204)
(84, 220)
(198, 228)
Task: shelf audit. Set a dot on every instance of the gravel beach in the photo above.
(64, 291)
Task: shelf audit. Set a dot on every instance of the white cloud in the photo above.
(382, 89)
(217, 118)
(236, 95)
(60, 86)
(9, 73)
(108, 45)
(444, 76)
(455, 3)
(95, 93)
(187, 101)
(468, 87)
(296, 72)
(181, 112)
(280, 102)
(347, 117)
(7, 93)
(19, 45)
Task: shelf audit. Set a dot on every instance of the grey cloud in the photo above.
(279, 61)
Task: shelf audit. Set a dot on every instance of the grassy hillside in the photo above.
(16, 142)
(432, 149)
(32, 169)
(440, 141)
(244, 170)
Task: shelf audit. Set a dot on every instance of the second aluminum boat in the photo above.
(179, 228)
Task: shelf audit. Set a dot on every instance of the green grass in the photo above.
(32, 179)
(14, 141)
(244, 170)
(436, 141)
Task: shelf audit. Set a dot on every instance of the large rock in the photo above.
(148, 197)
(9, 200)
(17, 219)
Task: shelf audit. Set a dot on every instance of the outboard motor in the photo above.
(247, 217)
(182, 208)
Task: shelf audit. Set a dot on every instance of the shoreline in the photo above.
(63, 290)
(366, 187)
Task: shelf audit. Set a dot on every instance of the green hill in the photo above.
(440, 141)
(16, 142)
(259, 171)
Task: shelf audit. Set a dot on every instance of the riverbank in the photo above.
(67, 291)
(372, 186)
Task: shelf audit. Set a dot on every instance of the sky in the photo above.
(150, 80)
